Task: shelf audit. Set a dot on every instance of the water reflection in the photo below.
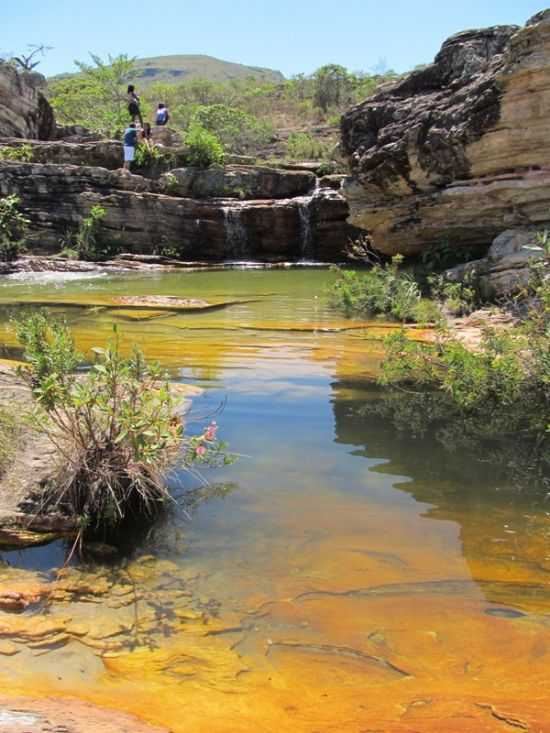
(354, 580)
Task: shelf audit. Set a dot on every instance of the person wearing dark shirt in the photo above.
(133, 105)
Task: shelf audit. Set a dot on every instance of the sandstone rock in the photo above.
(166, 136)
(24, 110)
(458, 150)
(238, 181)
(142, 218)
(103, 153)
(507, 267)
(75, 134)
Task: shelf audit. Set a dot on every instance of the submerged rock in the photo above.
(458, 150)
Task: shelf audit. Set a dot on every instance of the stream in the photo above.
(340, 576)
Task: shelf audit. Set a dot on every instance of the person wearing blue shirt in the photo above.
(130, 141)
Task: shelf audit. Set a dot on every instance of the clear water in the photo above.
(353, 579)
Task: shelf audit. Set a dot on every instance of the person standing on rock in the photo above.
(133, 105)
(130, 141)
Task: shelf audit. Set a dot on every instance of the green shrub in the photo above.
(9, 434)
(170, 183)
(470, 399)
(116, 429)
(204, 148)
(147, 156)
(237, 131)
(458, 299)
(384, 289)
(22, 153)
(302, 146)
(50, 352)
(89, 240)
(13, 228)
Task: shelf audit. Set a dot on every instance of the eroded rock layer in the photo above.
(457, 151)
(24, 110)
(276, 218)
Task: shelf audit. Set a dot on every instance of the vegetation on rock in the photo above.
(22, 153)
(13, 228)
(203, 147)
(243, 113)
(117, 429)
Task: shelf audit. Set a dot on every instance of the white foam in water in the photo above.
(51, 277)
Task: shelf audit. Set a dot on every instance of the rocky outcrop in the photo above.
(458, 150)
(507, 268)
(239, 181)
(145, 215)
(103, 153)
(24, 110)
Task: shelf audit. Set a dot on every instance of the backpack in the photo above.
(162, 116)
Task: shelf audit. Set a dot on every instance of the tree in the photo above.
(238, 131)
(28, 62)
(332, 85)
(96, 96)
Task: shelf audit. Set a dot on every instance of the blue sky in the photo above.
(290, 35)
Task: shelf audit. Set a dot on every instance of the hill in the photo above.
(181, 67)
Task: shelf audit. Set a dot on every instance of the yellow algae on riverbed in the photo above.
(355, 579)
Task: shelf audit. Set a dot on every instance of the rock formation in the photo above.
(24, 110)
(238, 212)
(457, 151)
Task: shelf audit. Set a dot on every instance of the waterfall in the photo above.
(306, 233)
(236, 236)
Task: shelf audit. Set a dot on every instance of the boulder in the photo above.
(165, 136)
(104, 153)
(24, 110)
(457, 151)
(239, 182)
(507, 268)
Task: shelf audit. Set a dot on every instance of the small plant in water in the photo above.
(384, 289)
(117, 429)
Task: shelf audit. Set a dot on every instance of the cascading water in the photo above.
(236, 236)
(306, 238)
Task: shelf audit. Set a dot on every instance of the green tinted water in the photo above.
(353, 579)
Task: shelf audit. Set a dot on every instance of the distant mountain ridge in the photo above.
(178, 68)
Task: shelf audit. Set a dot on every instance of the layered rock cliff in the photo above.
(237, 212)
(459, 150)
(24, 110)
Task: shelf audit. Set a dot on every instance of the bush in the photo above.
(9, 434)
(204, 148)
(302, 146)
(458, 299)
(383, 289)
(237, 131)
(22, 153)
(149, 155)
(116, 429)
(89, 242)
(13, 228)
(499, 394)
